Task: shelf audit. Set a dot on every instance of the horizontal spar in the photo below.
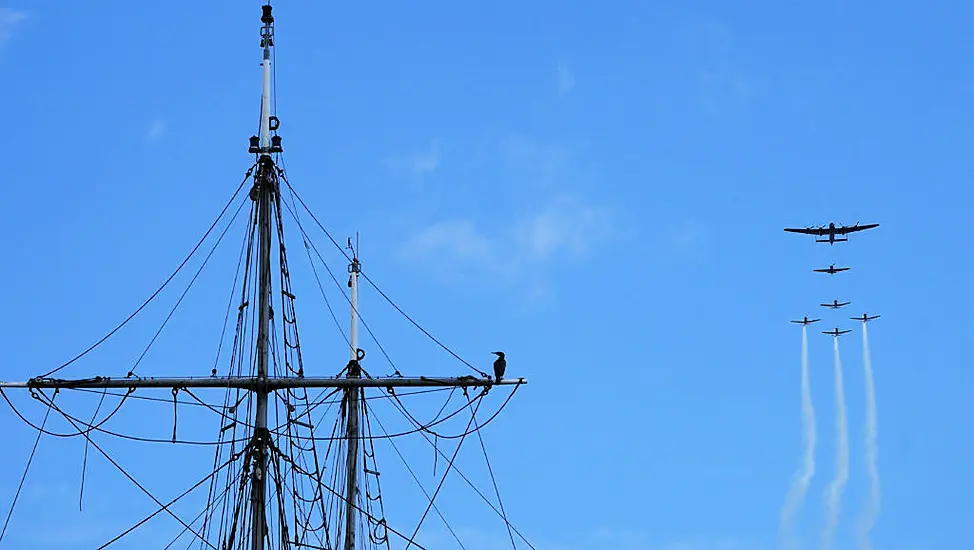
(254, 383)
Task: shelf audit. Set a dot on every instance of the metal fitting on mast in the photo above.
(264, 143)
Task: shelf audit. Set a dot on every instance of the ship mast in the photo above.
(352, 410)
(266, 193)
(265, 185)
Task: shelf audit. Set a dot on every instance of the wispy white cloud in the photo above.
(542, 163)
(565, 78)
(156, 130)
(722, 83)
(565, 229)
(724, 86)
(456, 244)
(10, 19)
(686, 241)
(417, 162)
(543, 217)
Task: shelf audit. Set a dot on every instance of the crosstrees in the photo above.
(269, 384)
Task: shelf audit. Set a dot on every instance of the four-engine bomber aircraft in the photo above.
(806, 321)
(832, 270)
(865, 318)
(832, 231)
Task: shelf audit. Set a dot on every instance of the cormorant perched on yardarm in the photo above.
(499, 365)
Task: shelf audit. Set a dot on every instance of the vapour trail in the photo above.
(803, 476)
(870, 512)
(834, 491)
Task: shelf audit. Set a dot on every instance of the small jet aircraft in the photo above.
(832, 231)
(836, 333)
(835, 304)
(806, 321)
(865, 318)
(832, 270)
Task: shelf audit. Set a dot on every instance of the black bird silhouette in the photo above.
(499, 365)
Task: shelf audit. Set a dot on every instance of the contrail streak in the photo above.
(802, 477)
(834, 491)
(870, 511)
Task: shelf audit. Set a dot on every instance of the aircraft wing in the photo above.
(808, 230)
(845, 230)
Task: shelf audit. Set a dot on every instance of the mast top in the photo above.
(265, 143)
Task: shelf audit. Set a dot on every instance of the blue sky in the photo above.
(597, 190)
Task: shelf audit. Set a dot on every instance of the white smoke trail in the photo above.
(802, 477)
(870, 511)
(834, 491)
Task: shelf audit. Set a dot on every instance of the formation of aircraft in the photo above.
(832, 270)
(832, 234)
(831, 231)
(865, 318)
(806, 321)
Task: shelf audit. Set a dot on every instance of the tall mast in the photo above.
(351, 399)
(265, 185)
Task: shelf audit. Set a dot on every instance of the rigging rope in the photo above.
(84, 461)
(98, 428)
(420, 484)
(343, 499)
(449, 466)
(425, 428)
(222, 496)
(164, 284)
(493, 480)
(186, 290)
(479, 493)
(51, 404)
(307, 243)
(30, 460)
(165, 506)
(376, 287)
